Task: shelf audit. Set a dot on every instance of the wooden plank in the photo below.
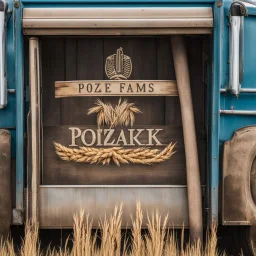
(154, 107)
(53, 68)
(142, 52)
(35, 122)
(84, 59)
(68, 104)
(115, 88)
(165, 135)
(166, 71)
(198, 90)
(78, 55)
(89, 59)
(57, 171)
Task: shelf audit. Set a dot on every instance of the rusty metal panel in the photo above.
(5, 181)
(58, 204)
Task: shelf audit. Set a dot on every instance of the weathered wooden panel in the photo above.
(88, 57)
(115, 88)
(166, 71)
(143, 53)
(56, 170)
(195, 59)
(53, 68)
(82, 58)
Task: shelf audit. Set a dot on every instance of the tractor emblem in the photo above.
(118, 66)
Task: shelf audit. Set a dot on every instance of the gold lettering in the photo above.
(74, 135)
(121, 138)
(135, 138)
(99, 132)
(109, 133)
(152, 137)
(93, 137)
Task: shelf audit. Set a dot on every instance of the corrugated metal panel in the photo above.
(171, 19)
(119, 13)
(58, 204)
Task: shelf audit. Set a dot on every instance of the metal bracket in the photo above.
(11, 91)
(17, 216)
(238, 112)
(242, 90)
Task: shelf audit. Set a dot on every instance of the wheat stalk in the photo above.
(118, 155)
(122, 114)
(158, 241)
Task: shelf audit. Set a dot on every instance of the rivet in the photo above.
(16, 4)
(219, 3)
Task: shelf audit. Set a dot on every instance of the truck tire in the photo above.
(5, 182)
(239, 185)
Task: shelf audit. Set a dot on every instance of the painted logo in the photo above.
(118, 66)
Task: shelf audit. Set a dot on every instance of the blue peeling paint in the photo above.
(220, 128)
(214, 113)
(7, 115)
(246, 101)
(12, 117)
(20, 114)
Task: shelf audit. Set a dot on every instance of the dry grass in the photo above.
(122, 114)
(6, 248)
(159, 240)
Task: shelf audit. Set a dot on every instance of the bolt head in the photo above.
(16, 4)
(219, 3)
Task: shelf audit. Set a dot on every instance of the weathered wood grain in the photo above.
(83, 58)
(166, 135)
(143, 53)
(57, 171)
(115, 88)
(53, 68)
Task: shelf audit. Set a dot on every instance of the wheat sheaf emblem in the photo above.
(118, 66)
(123, 114)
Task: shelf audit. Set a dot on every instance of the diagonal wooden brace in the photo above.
(189, 133)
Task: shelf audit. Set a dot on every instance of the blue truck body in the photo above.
(220, 126)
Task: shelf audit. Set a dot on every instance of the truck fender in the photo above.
(5, 182)
(239, 183)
